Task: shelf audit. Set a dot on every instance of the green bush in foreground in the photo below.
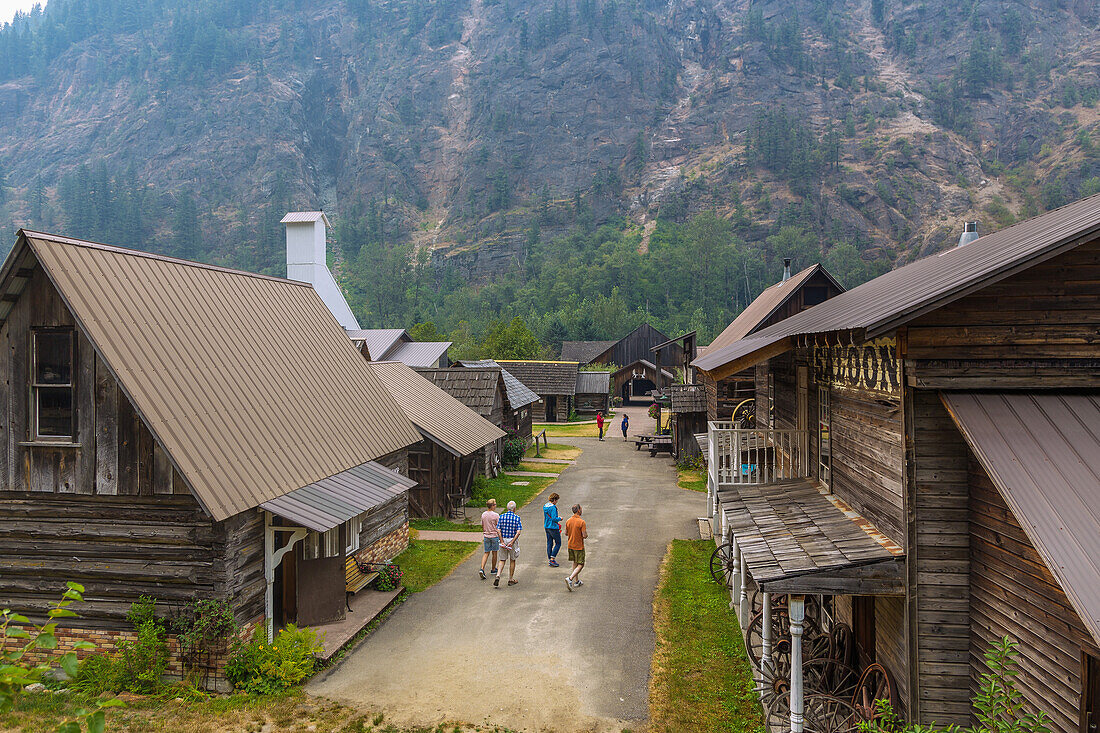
(259, 667)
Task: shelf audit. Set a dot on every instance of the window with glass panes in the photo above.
(52, 401)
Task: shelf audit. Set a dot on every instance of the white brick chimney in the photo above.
(306, 261)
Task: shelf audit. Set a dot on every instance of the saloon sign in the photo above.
(872, 366)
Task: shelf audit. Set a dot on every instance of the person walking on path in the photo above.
(626, 424)
(553, 529)
(510, 528)
(599, 423)
(576, 530)
(490, 535)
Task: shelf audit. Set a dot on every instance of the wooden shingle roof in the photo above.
(474, 387)
(545, 377)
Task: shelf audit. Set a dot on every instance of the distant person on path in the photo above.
(576, 530)
(553, 529)
(626, 424)
(510, 527)
(490, 535)
(599, 423)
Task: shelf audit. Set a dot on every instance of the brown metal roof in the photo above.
(248, 382)
(763, 306)
(880, 305)
(791, 529)
(474, 387)
(437, 414)
(334, 500)
(545, 377)
(584, 351)
(1042, 452)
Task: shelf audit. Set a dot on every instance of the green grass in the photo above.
(439, 524)
(567, 430)
(692, 479)
(559, 451)
(427, 562)
(701, 677)
(501, 489)
(542, 467)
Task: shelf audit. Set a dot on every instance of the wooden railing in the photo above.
(756, 456)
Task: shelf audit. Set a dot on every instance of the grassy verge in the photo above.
(542, 467)
(439, 524)
(292, 711)
(501, 489)
(567, 430)
(692, 479)
(427, 562)
(701, 678)
(557, 451)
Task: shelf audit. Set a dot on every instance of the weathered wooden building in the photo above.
(636, 375)
(792, 294)
(452, 451)
(186, 432)
(518, 400)
(555, 383)
(931, 469)
(482, 390)
(687, 404)
(593, 391)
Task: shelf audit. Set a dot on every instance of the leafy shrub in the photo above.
(139, 665)
(260, 668)
(514, 446)
(389, 578)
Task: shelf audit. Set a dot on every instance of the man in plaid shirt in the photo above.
(510, 528)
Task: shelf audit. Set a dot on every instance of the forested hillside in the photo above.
(584, 164)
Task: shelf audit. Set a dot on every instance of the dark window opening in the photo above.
(814, 294)
(52, 385)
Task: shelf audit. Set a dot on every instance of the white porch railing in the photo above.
(753, 456)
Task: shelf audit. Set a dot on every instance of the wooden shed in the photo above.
(518, 400)
(157, 413)
(948, 409)
(452, 451)
(555, 383)
(482, 390)
(593, 388)
(688, 405)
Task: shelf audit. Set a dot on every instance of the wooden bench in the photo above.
(355, 579)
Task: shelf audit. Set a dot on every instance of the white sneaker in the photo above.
(568, 583)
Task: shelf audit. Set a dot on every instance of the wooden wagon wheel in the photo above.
(828, 677)
(874, 684)
(815, 645)
(777, 712)
(744, 415)
(722, 565)
(842, 646)
(754, 636)
(828, 714)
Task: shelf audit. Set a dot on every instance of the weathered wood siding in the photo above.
(891, 646)
(1014, 594)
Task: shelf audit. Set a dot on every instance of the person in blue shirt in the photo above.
(553, 529)
(626, 425)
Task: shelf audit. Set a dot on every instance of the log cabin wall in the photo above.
(1014, 594)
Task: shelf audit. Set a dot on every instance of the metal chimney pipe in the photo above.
(786, 269)
(969, 233)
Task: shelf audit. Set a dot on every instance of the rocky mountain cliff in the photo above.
(473, 128)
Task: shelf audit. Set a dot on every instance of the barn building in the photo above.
(636, 372)
(186, 432)
(926, 482)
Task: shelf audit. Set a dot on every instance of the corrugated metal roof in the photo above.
(334, 500)
(377, 340)
(304, 217)
(763, 306)
(518, 393)
(248, 382)
(584, 351)
(418, 353)
(474, 387)
(437, 414)
(1042, 452)
(545, 377)
(593, 382)
(889, 300)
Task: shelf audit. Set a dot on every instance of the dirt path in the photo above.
(535, 656)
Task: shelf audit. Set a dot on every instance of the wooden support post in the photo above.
(735, 592)
(272, 558)
(796, 607)
(744, 610)
(766, 633)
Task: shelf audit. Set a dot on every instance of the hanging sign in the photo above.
(871, 366)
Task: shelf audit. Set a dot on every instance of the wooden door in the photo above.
(1090, 694)
(551, 408)
(863, 628)
(289, 595)
(803, 398)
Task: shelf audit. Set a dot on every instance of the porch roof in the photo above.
(796, 537)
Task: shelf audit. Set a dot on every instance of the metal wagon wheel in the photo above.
(829, 714)
(744, 415)
(722, 565)
(874, 684)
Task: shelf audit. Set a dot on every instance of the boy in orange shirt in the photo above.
(576, 530)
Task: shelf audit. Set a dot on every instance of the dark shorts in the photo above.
(576, 556)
